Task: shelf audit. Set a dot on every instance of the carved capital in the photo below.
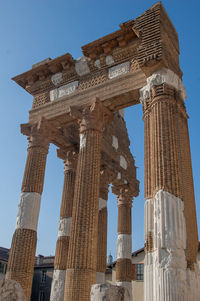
(91, 116)
(70, 157)
(124, 195)
(163, 76)
(38, 141)
(37, 134)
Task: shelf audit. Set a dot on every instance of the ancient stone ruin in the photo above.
(78, 106)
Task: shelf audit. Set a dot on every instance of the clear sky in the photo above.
(33, 30)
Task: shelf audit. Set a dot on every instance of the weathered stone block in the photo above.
(11, 290)
(108, 292)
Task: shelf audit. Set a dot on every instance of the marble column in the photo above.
(62, 245)
(23, 247)
(171, 272)
(124, 240)
(82, 258)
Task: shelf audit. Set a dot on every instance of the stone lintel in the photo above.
(116, 94)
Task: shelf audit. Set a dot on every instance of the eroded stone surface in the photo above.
(108, 292)
(63, 90)
(123, 162)
(166, 267)
(11, 290)
(56, 78)
(58, 285)
(159, 77)
(115, 143)
(124, 246)
(64, 226)
(28, 210)
(109, 60)
(118, 70)
(82, 67)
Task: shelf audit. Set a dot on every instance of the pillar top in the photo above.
(124, 194)
(37, 133)
(159, 77)
(91, 116)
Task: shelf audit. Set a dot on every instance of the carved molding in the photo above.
(160, 77)
(90, 116)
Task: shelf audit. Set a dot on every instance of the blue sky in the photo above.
(31, 31)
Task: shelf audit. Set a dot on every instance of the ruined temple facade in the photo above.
(77, 106)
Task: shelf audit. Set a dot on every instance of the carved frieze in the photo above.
(63, 90)
(118, 70)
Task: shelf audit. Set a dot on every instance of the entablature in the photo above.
(140, 47)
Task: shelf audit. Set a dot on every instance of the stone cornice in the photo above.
(105, 45)
(46, 68)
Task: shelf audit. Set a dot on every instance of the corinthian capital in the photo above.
(38, 134)
(124, 194)
(160, 77)
(90, 116)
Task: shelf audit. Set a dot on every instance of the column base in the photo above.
(58, 285)
(78, 284)
(167, 277)
(168, 282)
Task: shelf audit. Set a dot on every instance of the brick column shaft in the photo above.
(102, 226)
(124, 241)
(82, 258)
(22, 253)
(62, 245)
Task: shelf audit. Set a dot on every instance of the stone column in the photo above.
(22, 252)
(82, 258)
(62, 246)
(102, 227)
(171, 235)
(124, 240)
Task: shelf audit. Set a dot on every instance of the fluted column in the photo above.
(82, 259)
(62, 245)
(124, 240)
(171, 234)
(22, 252)
(102, 226)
